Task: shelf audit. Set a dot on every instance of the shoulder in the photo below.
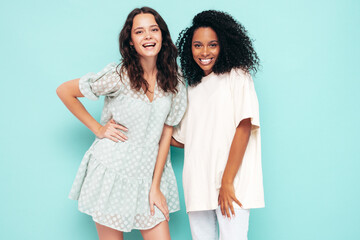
(108, 73)
(238, 73)
(111, 66)
(119, 72)
(181, 84)
(240, 80)
(109, 69)
(240, 77)
(180, 78)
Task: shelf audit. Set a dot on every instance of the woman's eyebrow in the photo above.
(154, 25)
(212, 41)
(138, 28)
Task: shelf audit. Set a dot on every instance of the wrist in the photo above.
(155, 184)
(97, 130)
(227, 180)
(155, 187)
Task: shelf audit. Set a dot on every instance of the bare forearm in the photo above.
(237, 151)
(69, 92)
(175, 143)
(164, 147)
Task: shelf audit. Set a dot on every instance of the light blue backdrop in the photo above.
(309, 102)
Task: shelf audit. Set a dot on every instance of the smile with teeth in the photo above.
(205, 61)
(149, 45)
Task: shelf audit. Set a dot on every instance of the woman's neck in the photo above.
(149, 67)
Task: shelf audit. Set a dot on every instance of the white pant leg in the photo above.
(235, 228)
(203, 225)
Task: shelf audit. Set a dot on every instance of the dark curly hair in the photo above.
(167, 75)
(236, 50)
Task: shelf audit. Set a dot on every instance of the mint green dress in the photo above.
(114, 178)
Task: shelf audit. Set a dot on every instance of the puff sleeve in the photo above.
(178, 106)
(244, 98)
(179, 132)
(106, 82)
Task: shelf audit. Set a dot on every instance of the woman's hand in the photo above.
(157, 198)
(237, 151)
(226, 199)
(111, 131)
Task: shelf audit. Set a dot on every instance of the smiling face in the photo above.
(146, 35)
(205, 48)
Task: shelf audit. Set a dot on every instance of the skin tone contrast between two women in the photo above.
(145, 45)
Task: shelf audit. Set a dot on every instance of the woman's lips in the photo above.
(149, 45)
(205, 61)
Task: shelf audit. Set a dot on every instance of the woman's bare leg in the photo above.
(159, 232)
(106, 233)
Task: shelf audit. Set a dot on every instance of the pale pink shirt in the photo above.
(216, 106)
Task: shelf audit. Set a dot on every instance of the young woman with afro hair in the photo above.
(220, 134)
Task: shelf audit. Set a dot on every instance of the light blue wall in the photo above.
(309, 102)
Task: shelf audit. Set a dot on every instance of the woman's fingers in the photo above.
(234, 199)
(112, 133)
(163, 210)
(113, 138)
(222, 208)
(152, 210)
(232, 208)
(227, 209)
(119, 135)
(237, 201)
(119, 126)
(167, 211)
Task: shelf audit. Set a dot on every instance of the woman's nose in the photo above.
(148, 35)
(205, 51)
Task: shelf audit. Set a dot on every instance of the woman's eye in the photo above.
(138, 32)
(155, 30)
(197, 45)
(213, 45)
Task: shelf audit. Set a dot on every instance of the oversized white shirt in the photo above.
(216, 106)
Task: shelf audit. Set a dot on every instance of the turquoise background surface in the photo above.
(309, 104)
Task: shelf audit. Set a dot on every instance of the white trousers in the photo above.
(203, 225)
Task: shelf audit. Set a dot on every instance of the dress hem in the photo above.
(121, 230)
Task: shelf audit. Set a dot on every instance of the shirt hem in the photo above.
(245, 206)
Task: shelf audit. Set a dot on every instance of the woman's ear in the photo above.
(131, 43)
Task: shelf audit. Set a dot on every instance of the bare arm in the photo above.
(237, 151)
(69, 92)
(175, 143)
(155, 196)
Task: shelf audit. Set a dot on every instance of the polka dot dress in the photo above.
(114, 178)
